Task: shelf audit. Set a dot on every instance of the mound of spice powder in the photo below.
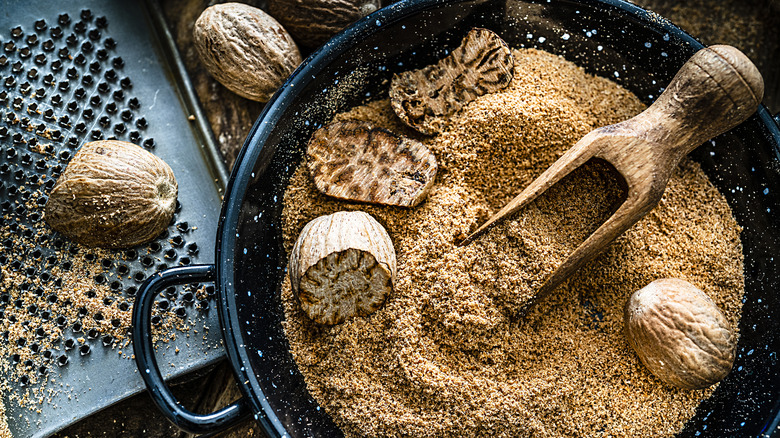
(453, 352)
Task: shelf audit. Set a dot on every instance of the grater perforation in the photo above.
(63, 82)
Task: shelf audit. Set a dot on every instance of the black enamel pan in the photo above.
(638, 49)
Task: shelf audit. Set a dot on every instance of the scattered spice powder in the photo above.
(5, 432)
(448, 354)
(58, 297)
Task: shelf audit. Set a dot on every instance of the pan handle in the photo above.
(147, 363)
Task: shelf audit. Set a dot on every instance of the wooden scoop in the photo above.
(714, 91)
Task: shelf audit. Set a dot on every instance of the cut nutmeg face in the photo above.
(356, 162)
(113, 194)
(680, 334)
(425, 98)
(342, 265)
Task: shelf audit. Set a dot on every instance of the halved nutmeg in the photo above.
(680, 334)
(357, 162)
(425, 98)
(113, 194)
(342, 265)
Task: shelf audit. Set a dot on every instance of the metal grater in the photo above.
(68, 75)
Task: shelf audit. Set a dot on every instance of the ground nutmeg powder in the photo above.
(455, 351)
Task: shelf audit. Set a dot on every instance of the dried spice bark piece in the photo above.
(113, 194)
(425, 98)
(354, 161)
(342, 265)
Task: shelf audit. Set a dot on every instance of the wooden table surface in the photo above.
(750, 25)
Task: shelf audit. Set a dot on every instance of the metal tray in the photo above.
(135, 90)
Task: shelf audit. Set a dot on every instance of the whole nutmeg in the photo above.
(342, 265)
(245, 49)
(680, 334)
(113, 194)
(312, 22)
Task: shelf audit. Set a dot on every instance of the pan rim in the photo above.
(247, 158)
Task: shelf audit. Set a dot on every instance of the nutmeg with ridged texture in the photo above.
(680, 334)
(245, 49)
(113, 194)
(312, 22)
(342, 265)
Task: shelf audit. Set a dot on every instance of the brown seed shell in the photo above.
(342, 265)
(113, 194)
(245, 49)
(424, 99)
(680, 334)
(312, 22)
(354, 161)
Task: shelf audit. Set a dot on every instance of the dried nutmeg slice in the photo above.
(354, 161)
(113, 194)
(680, 334)
(245, 49)
(342, 265)
(425, 98)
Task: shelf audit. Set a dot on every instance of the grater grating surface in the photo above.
(68, 75)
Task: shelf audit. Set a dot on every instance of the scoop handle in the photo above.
(714, 91)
